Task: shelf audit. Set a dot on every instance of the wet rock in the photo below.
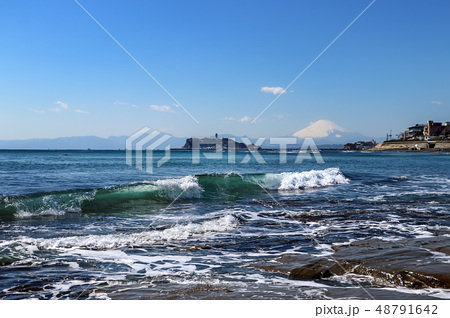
(200, 247)
(285, 263)
(310, 272)
(440, 244)
(411, 263)
(303, 267)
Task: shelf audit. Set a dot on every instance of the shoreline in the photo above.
(435, 151)
(421, 146)
(446, 150)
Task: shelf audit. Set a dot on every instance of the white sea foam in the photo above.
(152, 265)
(305, 179)
(58, 204)
(444, 258)
(112, 241)
(50, 205)
(22, 214)
(432, 292)
(188, 186)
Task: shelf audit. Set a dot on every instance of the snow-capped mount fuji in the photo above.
(326, 132)
(320, 129)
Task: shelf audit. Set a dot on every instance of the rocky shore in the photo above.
(410, 263)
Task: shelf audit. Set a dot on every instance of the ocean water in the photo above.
(84, 225)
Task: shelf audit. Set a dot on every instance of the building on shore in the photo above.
(432, 130)
(413, 132)
(431, 137)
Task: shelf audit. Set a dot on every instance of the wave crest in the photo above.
(54, 204)
(113, 241)
(312, 179)
(188, 187)
(151, 193)
(288, 181)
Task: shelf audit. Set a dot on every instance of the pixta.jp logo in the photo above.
(140, 147)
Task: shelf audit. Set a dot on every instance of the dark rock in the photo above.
(310, 272)
(304, 267)
(407, 263)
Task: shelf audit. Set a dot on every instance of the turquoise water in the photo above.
(83, 224)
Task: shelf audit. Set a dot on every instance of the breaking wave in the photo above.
(305, 180)
(141, 239)
(151, 193)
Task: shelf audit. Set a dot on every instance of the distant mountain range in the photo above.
(325, 133)
(80, 143)
(84, 142)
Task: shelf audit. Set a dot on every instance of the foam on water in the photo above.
(187, 186)
(113, 241)
(148, 193)
(56, 204)
(76, 201)
(303, 180)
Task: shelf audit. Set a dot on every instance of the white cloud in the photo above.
(278, 115)
(62, 105)
(242, 120)
(273, 90)
(436, 102)
(118, 102)
(55, 109)
(37, 111)
(163, 108)
(81, 111)
(245, 119)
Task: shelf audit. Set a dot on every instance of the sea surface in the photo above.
(84, 225)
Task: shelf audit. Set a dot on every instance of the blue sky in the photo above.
(62, 75)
